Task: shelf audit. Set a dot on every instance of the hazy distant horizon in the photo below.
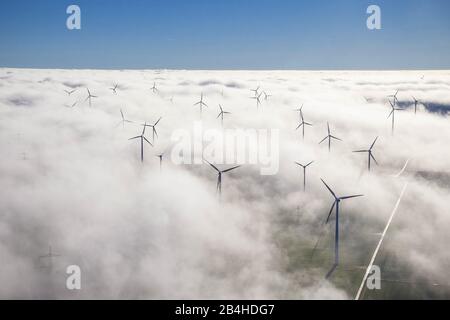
(186, 69)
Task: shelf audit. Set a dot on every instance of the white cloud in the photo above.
(71, 178)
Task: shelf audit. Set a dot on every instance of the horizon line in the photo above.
(225, 69)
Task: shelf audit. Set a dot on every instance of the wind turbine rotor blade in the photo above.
(331, 211)
(228, 170)
(373, 158)
(147, 141)
(336, 138)
(360, 151)
(329, 189)
(323, 140)
(350, 197)
(309, 164)
(134, 137)
(373, 143)
(213, 166)
(390, 114)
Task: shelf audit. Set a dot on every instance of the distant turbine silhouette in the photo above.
(154, 89)
(416, 102)
(70, 92)
(395, 97)
(72, 105)
(114, 90)
(299, 110)
(201, 104)
(266, 96)
(142, 137)
(89, 97)
(123, 120)
(329, 137)
(255, 90)
(219, 177)
(160, 156)
(50, 255)
(258, 100)
(393, 109)
(153, 126)
(369, 151)
(336, 203)
(222, 112)
(304, 172)
(303, 123)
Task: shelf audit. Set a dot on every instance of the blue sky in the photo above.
(226, 34)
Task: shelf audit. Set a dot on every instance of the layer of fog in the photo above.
(70, 178)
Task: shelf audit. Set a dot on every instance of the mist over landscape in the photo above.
(71, 179)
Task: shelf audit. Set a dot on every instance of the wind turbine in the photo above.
(142, 137)
(123, 120)
(299, 110)
(89, 97)
(50, 255)
(72, 105)
(160, 156)
(70, 92)
(395, 97)
(154, 89)
(304, 172)
(416, 102)
(255, 90)
(329, 137)
(114, 90)
(337, 201)
(303, 123)
(154, 132)
(370, 155)
(258, 100)
(222, 112)
(201, 103)
(393, 114)
(266, 96)
(219, 177)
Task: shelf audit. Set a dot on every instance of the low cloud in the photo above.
(72, 179)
